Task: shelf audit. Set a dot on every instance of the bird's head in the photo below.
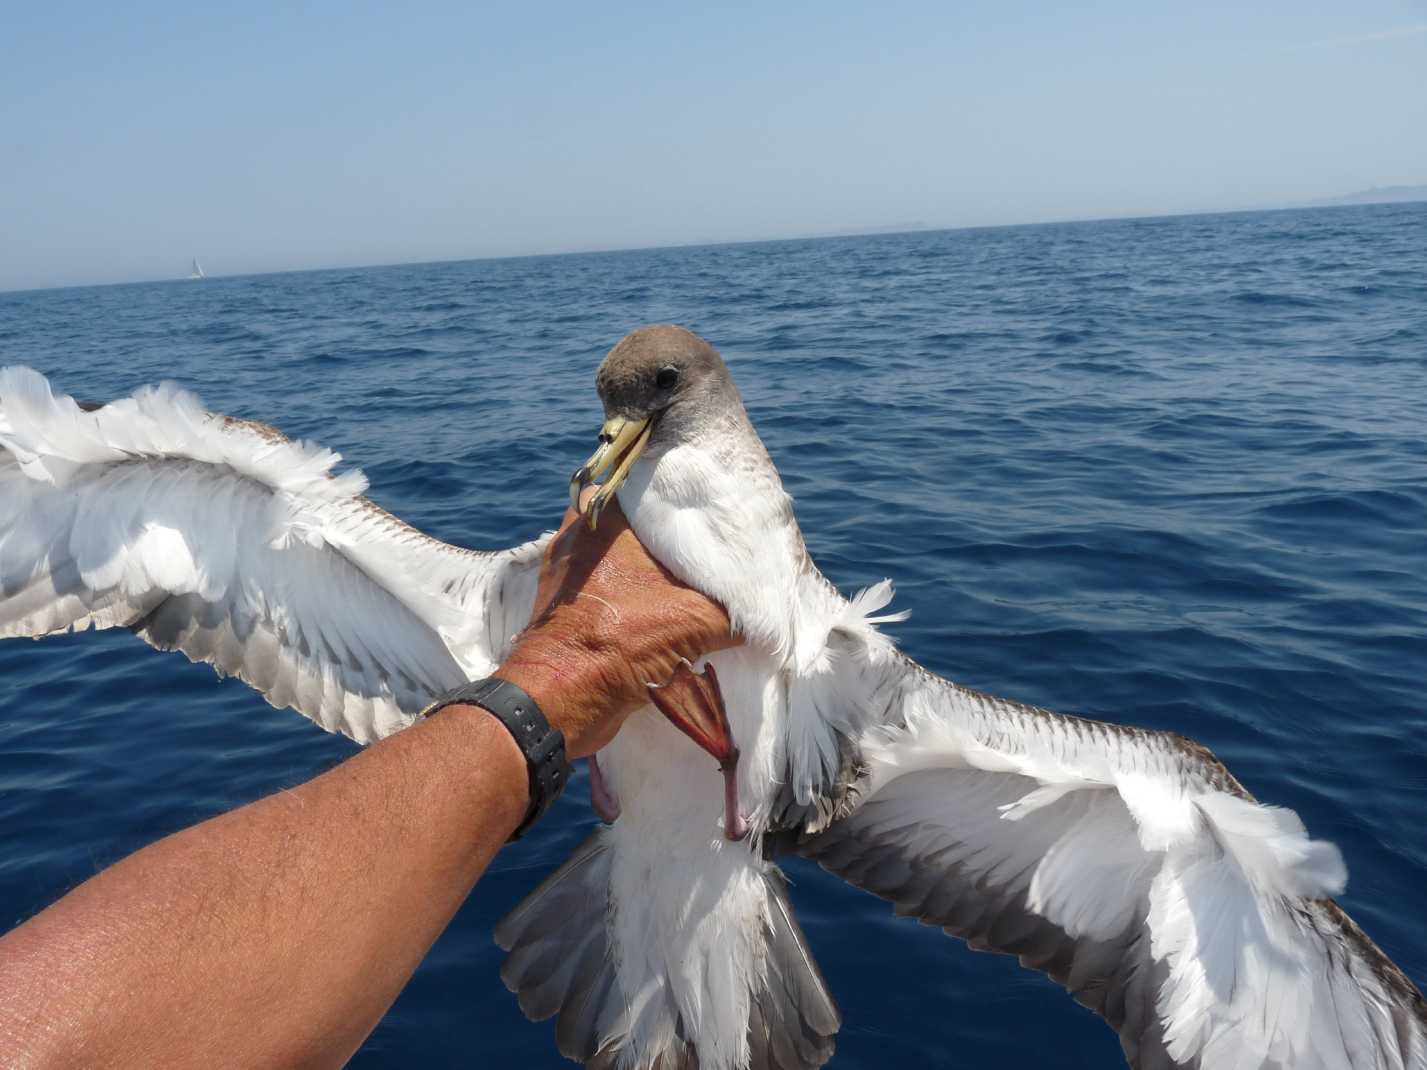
(660, 385)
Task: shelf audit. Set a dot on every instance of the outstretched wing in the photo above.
(223, 539)
(1127, 864)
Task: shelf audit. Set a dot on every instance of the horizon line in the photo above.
(875, 231)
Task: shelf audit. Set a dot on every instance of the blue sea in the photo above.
(1167, 472)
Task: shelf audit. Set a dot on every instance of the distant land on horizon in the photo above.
(1378, 195)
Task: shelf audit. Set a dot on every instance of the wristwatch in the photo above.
(543, 746)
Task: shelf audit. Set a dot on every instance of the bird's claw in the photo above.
(693, 703)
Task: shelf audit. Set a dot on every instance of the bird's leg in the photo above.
(602, 798)
(693, 702)
(735, 825)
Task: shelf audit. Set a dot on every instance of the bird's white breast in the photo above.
(713, 511)
(721, 525)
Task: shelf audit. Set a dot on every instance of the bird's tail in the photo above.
(619, 1008)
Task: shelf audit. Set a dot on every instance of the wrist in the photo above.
(540, 744)
(465, 728)
(559, 681)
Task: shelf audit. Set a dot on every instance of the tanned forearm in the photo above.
(274, 935)
(280, 933)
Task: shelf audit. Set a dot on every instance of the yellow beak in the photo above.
(622, 440)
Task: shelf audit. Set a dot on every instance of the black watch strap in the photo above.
(543, 746)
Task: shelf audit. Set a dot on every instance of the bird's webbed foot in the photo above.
(693, 703)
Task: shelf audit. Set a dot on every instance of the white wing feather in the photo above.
(221, 538)
(1127, 864)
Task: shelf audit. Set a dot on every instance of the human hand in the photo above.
(608, 621)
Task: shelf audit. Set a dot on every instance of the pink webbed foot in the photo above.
(602, 798)
(693, 703)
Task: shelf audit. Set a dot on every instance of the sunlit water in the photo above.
(1167, 472)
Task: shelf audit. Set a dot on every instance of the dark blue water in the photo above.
(1169, 472)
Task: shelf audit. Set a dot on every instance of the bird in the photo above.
(1127, 864)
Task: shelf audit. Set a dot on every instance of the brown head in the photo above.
(659, 384)
(655, 368)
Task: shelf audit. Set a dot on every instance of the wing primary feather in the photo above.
(221, 538)
(1128, 865)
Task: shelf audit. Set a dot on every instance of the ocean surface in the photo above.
(1165, 472)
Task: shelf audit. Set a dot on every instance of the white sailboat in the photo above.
(197, 272)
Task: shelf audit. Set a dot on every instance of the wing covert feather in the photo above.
(221, 538)
(1129, 865)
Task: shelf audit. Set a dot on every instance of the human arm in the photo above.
(280, 933)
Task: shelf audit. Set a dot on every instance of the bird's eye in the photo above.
(666, 378)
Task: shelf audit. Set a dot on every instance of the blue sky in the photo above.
(269, 137)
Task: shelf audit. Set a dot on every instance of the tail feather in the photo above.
(559, 961)
(793, 1019)
(562, 962)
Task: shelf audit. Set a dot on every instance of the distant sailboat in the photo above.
(197, 272)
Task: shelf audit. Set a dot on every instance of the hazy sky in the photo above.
(272, 136)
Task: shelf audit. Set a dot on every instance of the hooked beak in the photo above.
(622, 440)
